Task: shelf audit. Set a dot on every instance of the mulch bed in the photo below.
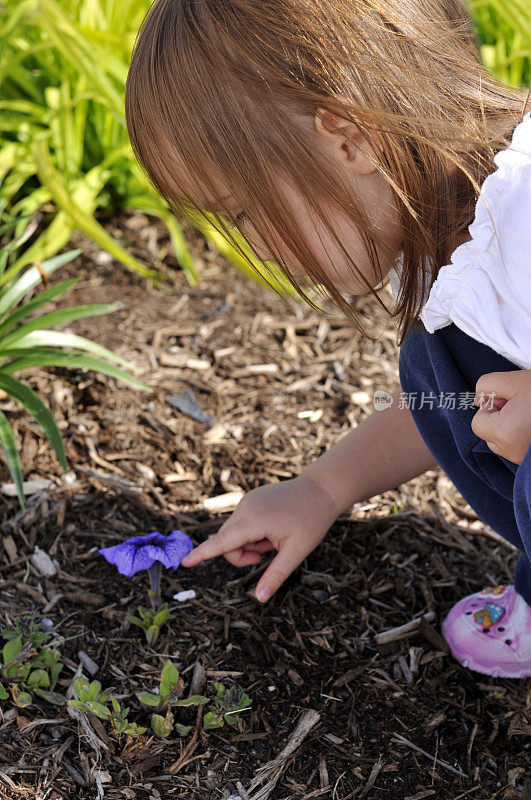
(398, 720)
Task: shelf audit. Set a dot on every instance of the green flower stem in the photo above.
(154, 580)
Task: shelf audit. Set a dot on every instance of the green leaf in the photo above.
(31, 278)
(32, 305)
(194, 700)
(148, 699)
(98, 709)
(35, 406)
(21, 699)
(169, 676)
(152, 634)
(38, 679)
(7, 440)
(136, 621)
(11, 649)
(117, 708)
(54, 698)
(161, 726)
(81, 689)
(94, 689)
(17, 670)
(245, 702)
(182, 253)
(44, 358)
(182, 730)
(44, 338)
(161, 617)
(54, 671)
(3, 694)
(86, 222)
(52, 239)
(134, 730)
(79, 51)
(59, 317)
(212, 720)
(80, 704)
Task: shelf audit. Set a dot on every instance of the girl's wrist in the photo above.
(320, 493)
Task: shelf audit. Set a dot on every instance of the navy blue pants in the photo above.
(449, 362)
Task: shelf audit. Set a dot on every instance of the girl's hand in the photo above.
(505, 420)
(291, 517)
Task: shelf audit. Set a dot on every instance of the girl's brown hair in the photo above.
(231, 87)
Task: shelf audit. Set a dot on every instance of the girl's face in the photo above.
(367, 183)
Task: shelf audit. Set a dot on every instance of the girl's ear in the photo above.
(345, 139)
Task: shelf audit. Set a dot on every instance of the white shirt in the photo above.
(486, 289)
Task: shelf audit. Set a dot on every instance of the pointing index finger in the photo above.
(218, 543)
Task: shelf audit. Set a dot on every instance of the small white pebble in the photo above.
(189, 594)
(43, 563)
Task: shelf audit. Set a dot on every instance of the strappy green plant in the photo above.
(31, 339)
(504, 32)
(63, 138)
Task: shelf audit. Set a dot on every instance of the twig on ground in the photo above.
(403, 631)
(268, 774)
(402, 740)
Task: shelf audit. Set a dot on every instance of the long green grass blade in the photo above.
(7, 440)
(84, 221)
(35, 303)
(59, 317)
(43, 338)
(31, 278)
(55, 236)
(80, 52)
(34, 405)
(55, 358)
(181, 250)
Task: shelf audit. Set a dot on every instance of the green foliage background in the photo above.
(63, 141)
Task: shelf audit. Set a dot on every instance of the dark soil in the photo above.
(401, 720)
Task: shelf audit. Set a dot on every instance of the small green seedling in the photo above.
(226, 705)
(171, 687)
(151, 621)
(29, 667)
(92, 700)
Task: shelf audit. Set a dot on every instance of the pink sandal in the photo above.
(490, 632)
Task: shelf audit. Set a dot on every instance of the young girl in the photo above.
(349, 141)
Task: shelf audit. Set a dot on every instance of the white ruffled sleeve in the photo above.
(486, 289)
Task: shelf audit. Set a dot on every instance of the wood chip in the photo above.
(28, 487)
(402, 631)
(269, 773)
(222, 503)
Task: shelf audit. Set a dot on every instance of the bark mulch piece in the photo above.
(335, 712)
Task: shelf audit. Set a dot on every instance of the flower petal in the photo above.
(141, 552)
(178, 545)
(123, 555)
(145, 556)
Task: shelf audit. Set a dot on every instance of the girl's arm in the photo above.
(293, 516)
(385, 450)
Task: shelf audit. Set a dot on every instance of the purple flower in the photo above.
(141, 552)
